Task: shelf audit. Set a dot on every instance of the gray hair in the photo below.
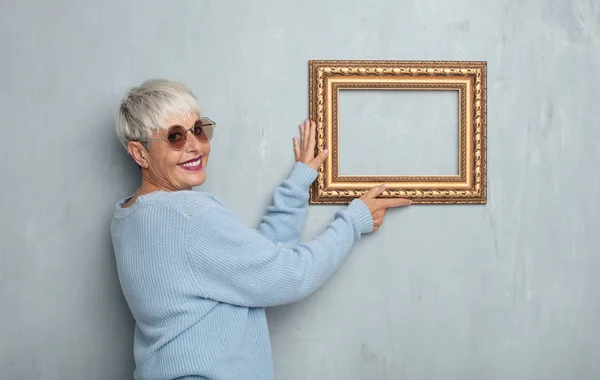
(147, 108)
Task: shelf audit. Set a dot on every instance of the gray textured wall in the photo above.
(509, 290)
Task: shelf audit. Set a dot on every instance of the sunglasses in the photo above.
(177, 136)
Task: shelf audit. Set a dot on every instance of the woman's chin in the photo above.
(196, 178)
(193, 176)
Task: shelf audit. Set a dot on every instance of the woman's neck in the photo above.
(146, 187)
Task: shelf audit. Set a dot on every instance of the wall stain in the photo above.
(368, 355)
(568, 16)
(492, 222)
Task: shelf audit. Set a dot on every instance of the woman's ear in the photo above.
(139, 153)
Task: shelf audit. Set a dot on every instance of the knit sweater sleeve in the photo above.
(236, 264)
(284, 219)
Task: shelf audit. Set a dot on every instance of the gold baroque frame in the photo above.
(327, 77)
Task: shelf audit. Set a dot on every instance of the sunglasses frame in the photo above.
(202, 119)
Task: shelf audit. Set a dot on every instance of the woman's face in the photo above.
(171, 169)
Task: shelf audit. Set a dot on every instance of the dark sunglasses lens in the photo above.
(203, 130)
(176, 137)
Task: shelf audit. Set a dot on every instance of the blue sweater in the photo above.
(197, 280)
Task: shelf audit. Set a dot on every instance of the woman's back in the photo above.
(178, 332)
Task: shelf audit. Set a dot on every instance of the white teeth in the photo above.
(192, 164)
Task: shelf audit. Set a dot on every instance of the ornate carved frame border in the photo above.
(327, 78)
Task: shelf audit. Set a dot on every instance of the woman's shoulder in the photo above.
(187, 202)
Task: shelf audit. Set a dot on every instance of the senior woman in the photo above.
(194, 277)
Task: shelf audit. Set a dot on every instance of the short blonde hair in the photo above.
(147, 108)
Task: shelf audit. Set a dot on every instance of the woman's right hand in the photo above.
(378, 206)
(304, 147)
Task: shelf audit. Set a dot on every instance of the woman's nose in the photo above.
(193, 144)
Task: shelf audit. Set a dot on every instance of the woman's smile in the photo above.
(193, 164)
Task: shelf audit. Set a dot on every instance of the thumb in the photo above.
(319, 159)
(374, 192)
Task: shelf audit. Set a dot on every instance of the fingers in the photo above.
(319, 159)
(379, 207)
(396, 202)
(297, 148)
(301, 138)
(312, 136)
(377, 222)
(304, 146)
(374, 192)
(305, 133)
(379, 214)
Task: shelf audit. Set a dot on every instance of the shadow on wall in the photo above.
(124, 173)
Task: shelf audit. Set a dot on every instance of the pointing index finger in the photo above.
(396, 202)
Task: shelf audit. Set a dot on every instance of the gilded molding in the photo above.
(326, 78)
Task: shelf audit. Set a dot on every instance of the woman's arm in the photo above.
(284, 219)
(235, 264)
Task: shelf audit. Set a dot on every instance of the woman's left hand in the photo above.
(305, 146)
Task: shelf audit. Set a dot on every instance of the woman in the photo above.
(195, 279)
